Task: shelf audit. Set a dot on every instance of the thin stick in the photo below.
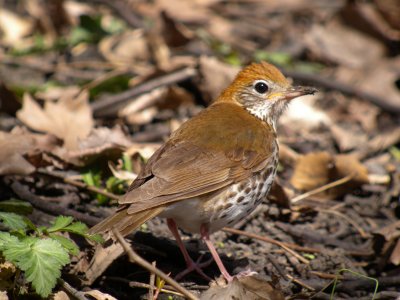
(151, 282)
(301, 283)
(271, 241)
(322, 188)
(349, 220)
(109, 105)
(135, 258)
(71, 291)
(285, 246)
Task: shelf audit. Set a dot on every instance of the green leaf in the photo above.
(13, 221)
(16, 206)
(77, 227)
(127, 162)
(95, 238)
(6, 239)
(395, 152)
(60, 223)
(40, 259)
(66, 243)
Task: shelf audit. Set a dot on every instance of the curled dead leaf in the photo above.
(317, 169)
(17, 144)
(215, 75)
(243, 288)
(104, 143)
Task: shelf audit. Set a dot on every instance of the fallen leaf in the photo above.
(380, 80)
(12, 148)
(61, 295)
(14, 27)
(342, 45)
(215, 76)
(104, 143)
(317, 169)
(99, 295)
(347, 139)
(243, 288)
(129, 47)
(395, 256)
(103, 257)
(69, 119)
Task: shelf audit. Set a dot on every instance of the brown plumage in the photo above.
(217, 166)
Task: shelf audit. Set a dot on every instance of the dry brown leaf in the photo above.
(188, 12)
(215, 75)
(388, 243)
(104, 143)
(395, 256)
(126, 48)
(68, 119)
(378, 79)
(317, 169)
(243, 288)
(3, 294)
(12, 148)
(96, 294)
(61, 295)
(121, 174)
(102, 259)
(347, 139)
(56, 92)
(14, 27)
(342, 45)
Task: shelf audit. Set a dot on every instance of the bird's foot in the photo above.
(197, 267)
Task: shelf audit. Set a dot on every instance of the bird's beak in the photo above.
(297, 91)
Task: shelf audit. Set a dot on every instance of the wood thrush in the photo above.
(217, 167)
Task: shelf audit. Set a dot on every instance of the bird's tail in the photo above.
(125, 223)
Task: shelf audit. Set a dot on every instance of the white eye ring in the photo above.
(261, 86)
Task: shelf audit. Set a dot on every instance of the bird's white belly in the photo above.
(227, 208)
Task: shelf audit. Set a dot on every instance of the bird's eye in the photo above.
(261, 87)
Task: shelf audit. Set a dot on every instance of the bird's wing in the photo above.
(201, 161)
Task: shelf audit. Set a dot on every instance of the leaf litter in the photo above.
(120, 77)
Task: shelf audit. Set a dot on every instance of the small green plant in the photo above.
(40, 252)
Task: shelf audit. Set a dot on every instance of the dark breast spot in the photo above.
(240, 199)
(228, 205)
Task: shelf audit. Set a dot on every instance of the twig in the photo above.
(78, 183)
(71, 290)
(135, 258)
(379, 143)
(50, 207)
(151, 282)
(322, 188)
(327, 275)
(361, 231)
(143, 285)
(301, 283)
(122, 9)
(329, 83)
(109, 105)
(286, 246)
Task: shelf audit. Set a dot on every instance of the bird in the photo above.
(216, 167)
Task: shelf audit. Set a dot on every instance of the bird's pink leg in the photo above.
(206, 237)
(191, 265)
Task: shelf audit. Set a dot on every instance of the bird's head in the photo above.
(264, 91)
